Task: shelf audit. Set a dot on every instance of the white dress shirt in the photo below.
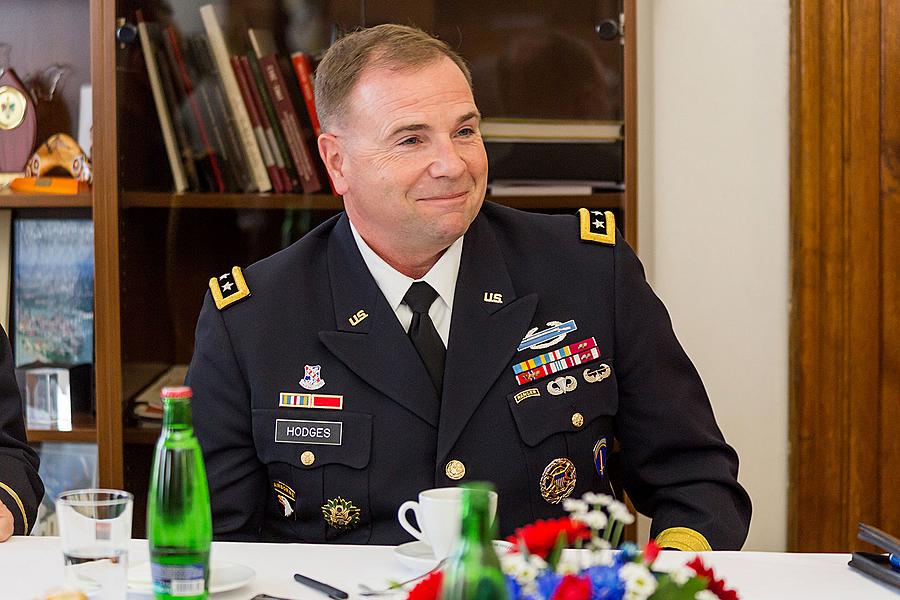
(394, 284)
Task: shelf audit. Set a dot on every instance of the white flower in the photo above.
(681, 575)
(569, 564)
(639, 582)
(619, 512)
(595, 519)
(601, 555)
(577, 507)
(599, 544)
(705, 595)
(523, 569)
(592, 498)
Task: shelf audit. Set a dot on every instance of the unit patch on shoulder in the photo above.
(228, 288)
(598, 226)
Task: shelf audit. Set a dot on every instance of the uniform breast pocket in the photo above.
(565, 423)
(316, 462)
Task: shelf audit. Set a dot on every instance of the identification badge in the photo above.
(291, 431)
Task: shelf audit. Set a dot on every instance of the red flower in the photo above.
(716, 586)
(540, 537)
(651, 551)
(573, 587)
(427, 589)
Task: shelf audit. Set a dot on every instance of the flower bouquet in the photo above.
(538, 569)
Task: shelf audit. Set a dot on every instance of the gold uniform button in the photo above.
(578, 419)
(307, 458)
(455, 470)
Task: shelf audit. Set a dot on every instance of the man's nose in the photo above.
(447, 160)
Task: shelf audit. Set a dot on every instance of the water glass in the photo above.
(95, 529)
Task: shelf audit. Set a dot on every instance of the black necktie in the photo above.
(424, 336)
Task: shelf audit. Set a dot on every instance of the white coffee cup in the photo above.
(438, 515)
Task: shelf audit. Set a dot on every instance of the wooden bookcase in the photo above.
(154, 250)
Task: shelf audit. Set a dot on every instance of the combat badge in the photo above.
(340, 513)
(228, 288)
(598, 226)
(555, 333)
(600, 456)
(312, 377)
(286, 498)
(558, 480)
(598, 374)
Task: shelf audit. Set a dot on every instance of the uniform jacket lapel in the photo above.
(373, 346)
(488, 322)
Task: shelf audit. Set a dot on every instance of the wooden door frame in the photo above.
(837, 399)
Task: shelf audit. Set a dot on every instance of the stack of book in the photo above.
(233, 122)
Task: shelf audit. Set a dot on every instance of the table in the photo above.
(30, 566)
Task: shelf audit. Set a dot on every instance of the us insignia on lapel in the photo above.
(598, 226)
(228, 288)
(286, 498)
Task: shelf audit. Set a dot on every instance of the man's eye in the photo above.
(467, 131)
(410, 141)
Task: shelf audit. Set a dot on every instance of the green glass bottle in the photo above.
(473, 570)
(179, 522)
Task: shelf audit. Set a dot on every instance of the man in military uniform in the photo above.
(425, 338)
(21, 489)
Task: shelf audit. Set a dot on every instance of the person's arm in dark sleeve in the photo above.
(677, 467)
(21, 489)
(222, 422)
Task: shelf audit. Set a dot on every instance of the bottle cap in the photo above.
(181, 391)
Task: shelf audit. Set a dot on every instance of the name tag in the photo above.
(291, 431)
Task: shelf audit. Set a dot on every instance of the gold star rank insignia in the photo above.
(598, 226)
(228, 288)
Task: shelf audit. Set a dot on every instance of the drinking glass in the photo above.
(95, 529)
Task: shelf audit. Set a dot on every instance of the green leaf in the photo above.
(556, 553)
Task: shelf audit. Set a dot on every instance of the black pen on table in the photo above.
(332, 592)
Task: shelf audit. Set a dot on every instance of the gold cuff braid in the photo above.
(683, 538)
(18, 500)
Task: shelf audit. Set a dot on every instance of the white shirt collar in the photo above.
(394, 284)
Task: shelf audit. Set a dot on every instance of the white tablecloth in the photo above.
(30, 566)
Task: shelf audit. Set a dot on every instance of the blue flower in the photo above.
(605, 582)
(547, 582)
(627, 553)
(513, 589)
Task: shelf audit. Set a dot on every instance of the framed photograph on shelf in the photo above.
(53, 290)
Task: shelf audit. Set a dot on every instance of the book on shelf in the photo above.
(222, 56)
(304, 72)
(550, 130)
(170, 84)
(219, 122)
(53, 291)
(251, 62)
(261, 138)
(173, 153)
(263, 44)
(208, 171)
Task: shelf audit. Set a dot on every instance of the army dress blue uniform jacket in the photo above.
(21, 489)
(315, 303)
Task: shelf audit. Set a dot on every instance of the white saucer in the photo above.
(418, 554)
(224, 576)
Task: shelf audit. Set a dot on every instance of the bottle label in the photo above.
(178, 580)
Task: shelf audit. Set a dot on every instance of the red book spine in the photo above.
(253, 113)
(195, 108)
(265, 124)
(290, 124)
(303, 70)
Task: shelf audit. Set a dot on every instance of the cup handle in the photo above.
(404, 523)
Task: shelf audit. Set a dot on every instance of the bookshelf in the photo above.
(154, 249)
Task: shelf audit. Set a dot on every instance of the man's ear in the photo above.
(332, 154)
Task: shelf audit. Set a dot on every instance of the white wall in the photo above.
(713, 217)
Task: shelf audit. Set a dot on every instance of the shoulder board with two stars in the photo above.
(228, 288)
(598, 226)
